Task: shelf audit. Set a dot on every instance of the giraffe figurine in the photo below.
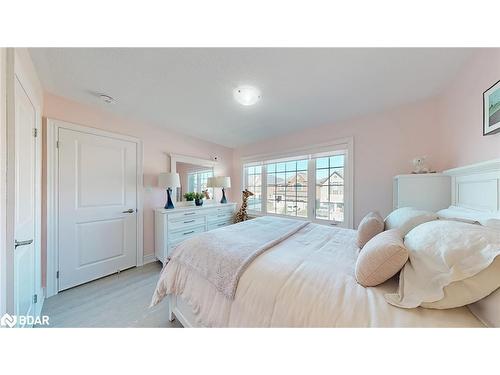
(242, 215)
(206, 194)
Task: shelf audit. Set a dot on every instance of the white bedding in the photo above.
(221, 256)
(306, 281)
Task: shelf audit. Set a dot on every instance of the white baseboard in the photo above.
(150, 258)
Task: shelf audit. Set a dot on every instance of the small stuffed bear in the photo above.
(419, 165)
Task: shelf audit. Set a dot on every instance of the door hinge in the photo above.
(57, 274)
(35, 298)
(35, 132)
(57, 144)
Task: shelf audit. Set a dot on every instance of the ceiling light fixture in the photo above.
(247, 95)
(106, 99)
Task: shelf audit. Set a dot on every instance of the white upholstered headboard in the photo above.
(476, 186)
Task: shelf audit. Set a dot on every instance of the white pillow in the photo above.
(442, 254)
(407, 218)
(488, 219)
(458, 214)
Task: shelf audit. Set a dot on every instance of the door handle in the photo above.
(22, 243)
(129, 211)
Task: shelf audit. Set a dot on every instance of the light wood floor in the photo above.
(119, 300)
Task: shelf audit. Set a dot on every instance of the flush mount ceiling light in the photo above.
(106, 99)
(246, 95)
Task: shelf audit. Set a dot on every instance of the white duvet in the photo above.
(305, 281)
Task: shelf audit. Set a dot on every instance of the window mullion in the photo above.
(311, 189)
(263, 189)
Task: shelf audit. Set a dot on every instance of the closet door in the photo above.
(97, 206)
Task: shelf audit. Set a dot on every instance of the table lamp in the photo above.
(220, 182)
(169, 181)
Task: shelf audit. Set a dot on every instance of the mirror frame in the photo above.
(174, 158)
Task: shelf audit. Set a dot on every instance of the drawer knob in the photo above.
(185, 233)
(189, 221)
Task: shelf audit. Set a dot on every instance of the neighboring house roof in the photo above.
(335, 174)
(300, 178)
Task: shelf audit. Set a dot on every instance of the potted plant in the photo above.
(198, 198)
(189, 196)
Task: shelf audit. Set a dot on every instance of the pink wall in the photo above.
(156, 142)
(447, 129)
(384, 145)
(461, 112)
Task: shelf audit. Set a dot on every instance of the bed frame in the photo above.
(475, 187)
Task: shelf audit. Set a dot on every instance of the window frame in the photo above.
(311, 154)
(198, 174)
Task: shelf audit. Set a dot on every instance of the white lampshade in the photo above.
(169, 180)
(219, 182)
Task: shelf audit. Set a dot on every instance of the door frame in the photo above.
(13, 68)
(52, 217)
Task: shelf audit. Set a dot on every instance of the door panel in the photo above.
(97, 182)
(25, 156)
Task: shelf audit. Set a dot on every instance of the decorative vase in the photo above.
(198, 202)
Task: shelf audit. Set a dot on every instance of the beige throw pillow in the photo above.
(371, 225)
(381, 258)
(407, 218)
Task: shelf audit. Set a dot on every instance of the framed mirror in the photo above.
(193, 174)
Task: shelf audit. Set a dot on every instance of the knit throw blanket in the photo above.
(222, 255)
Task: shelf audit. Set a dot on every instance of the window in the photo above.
(330, 188)
(315, 186)
(253, 182)
(197, 181)
(287, 188)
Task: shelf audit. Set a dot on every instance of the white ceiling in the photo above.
(190, 90)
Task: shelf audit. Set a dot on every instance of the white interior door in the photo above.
(24, 224)
(97, 200)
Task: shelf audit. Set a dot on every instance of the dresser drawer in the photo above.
(184, 215)
(221, 216)
(219, 224)
(227, 210)
(182, 234)
(186, 223)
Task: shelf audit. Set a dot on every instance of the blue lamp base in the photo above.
(169, 203)
(223, 200)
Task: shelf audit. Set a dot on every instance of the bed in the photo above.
(306, 279)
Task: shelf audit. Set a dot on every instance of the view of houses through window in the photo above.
(330, 188)
(287, 188)
(287, 191)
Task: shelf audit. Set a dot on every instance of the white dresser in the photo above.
(431, 191)
(175, 225)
